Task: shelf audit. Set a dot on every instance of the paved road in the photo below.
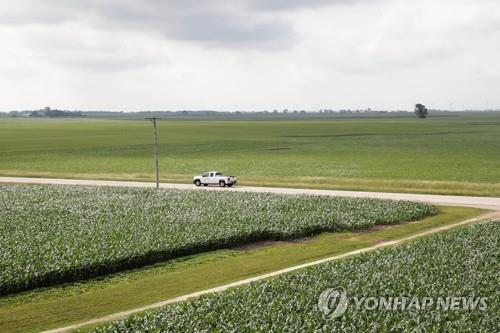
(451, 200)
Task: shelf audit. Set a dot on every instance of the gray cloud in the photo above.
(279, 5)
(222, 23)
(226, 30)
(191, 21)
(102, 63)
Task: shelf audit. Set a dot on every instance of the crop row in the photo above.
(457, 267)
(55, 234)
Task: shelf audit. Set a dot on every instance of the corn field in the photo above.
(56, 234)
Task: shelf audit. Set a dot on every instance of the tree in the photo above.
(421, 111)
(35, 114)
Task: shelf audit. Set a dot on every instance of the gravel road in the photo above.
(450, 200)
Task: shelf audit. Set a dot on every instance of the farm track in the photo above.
(121, 315)
(450, 200)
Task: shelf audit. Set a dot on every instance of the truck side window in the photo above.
(211, 174)
(218, 174)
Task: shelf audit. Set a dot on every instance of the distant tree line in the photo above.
(45, 113)
(420, 111)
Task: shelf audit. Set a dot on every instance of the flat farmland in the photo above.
(50, 235)
(459, 262)
(456, 154)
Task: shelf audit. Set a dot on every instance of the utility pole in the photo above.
(155, 135)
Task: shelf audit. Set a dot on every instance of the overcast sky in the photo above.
(249, 54)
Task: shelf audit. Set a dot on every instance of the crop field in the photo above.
(55, 234)
(455, 154)
(459, 263)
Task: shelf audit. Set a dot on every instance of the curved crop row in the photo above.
(55, 234)
(460, 264)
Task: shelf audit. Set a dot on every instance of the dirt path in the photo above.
(120, 315)
(450, 200)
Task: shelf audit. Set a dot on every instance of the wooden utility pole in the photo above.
(155, 135)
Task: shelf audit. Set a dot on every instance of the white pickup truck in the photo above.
(214, 178)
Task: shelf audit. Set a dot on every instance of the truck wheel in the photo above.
(197, 182)
(222, 183)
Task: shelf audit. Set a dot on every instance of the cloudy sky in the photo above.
(249, 54)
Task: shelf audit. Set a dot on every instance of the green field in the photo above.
(460, 263)
(55, 234)
(456, 154)
(57, 306)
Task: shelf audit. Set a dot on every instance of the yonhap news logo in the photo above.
(333, 303)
